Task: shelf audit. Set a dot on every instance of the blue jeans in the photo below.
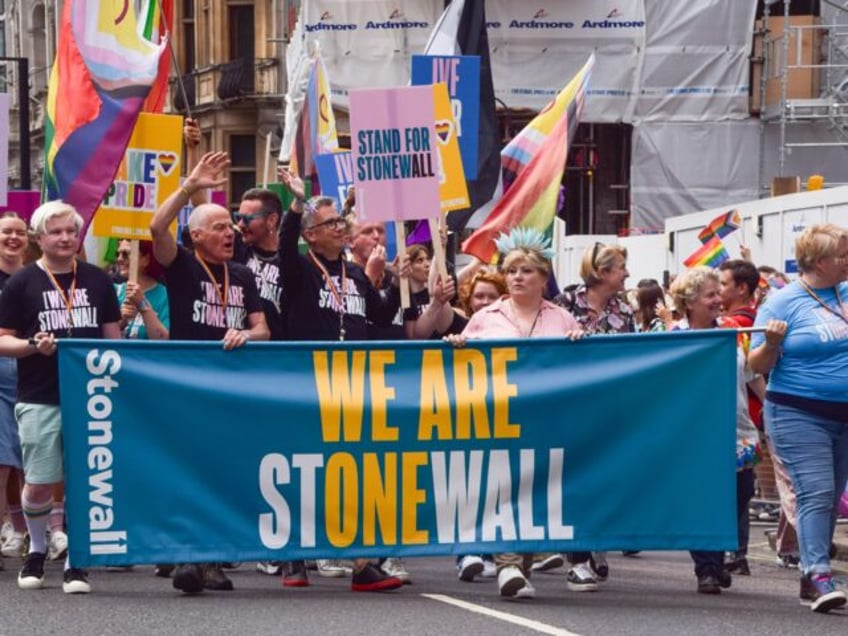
(815, 452)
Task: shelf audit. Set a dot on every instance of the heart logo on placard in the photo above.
(167, 161)
(444, 130)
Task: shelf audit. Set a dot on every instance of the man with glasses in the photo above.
(328, 298)
(210, 298)
(258, 220)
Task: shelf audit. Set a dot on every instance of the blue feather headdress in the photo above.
(525, 238)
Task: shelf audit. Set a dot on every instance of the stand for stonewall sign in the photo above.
(148, 174)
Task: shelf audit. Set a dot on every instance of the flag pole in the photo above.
(174, 61)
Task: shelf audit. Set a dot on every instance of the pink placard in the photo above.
(393, 140)
(23, 202)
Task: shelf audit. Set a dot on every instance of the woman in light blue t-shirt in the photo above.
(806, 410)
(144, 303)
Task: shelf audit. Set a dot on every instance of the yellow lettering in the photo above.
(379, 499)
(502, 391)
(380, 394)
(341, 499)
(340, 394)
(412, 498)
(470, 383)
(434, 411)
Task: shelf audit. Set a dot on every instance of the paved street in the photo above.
(651, 594)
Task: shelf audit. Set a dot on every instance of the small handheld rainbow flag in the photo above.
(721, 226)
(711, 254)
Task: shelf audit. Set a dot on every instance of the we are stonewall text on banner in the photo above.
(179, 452)
(395, 165)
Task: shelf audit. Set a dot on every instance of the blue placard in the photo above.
(335, 174)
(180, 452)
(462, 75)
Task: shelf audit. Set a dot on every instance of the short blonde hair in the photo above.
(51, 210)
(531, 256)
(688, 285)
(817, 242)
(599, 258)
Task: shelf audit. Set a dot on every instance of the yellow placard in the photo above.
(148, 174)
(453, 191)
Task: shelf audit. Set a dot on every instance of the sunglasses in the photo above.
(247, 218)
(122, 254)
(595, 253)
(334, 224)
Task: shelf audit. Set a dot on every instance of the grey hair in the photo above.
(311, 207)
(197, 218)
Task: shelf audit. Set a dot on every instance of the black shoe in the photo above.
(163, 570)
(188, 578)
(708, 585)
(373, 579)
(215, 579)
(738, 564)
(630, 553)
(724, 579)
(75, 581)
(31, 576)
(294, 574)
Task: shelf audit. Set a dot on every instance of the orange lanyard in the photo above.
(336, 293)
(67, 299)
(222, 291)
(839, 314)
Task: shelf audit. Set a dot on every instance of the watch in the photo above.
(144, 305)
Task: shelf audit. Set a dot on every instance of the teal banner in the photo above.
(180, 452)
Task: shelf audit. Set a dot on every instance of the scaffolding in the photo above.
(803, 80)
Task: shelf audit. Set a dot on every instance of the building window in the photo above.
(189, 60)
(242, 166)
(242, 33)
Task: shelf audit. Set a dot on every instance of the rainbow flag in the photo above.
(157, 23)
(721, 226)
(532, 165)
(103, 73)
(710, 254)
(316, 129)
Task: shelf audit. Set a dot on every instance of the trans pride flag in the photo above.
(316, 130)
(102, 76)
(532, 165)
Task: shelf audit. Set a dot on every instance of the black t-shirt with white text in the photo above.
(195, 299)
(30, 303)
(266, 267)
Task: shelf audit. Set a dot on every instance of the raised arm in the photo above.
(206, 174)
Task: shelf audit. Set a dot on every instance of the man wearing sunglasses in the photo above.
(258, 221)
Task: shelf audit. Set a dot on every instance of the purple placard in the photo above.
(393, 140)
(23, 202)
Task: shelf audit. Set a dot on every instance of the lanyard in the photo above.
(337, 294)
(222, 291)
(514, 317)
(67, 299)
(839, 314)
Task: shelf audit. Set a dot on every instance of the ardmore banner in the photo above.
(180, 452)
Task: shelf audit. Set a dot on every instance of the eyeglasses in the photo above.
(337, 223)
(122, 254)
(247, 218)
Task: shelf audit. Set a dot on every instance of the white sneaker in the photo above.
(581, 578)
(511, 581)
(5, 531)
(58, 546)
(271, 568)
(332, 569)
(14, 546)
(394, 566)
(489, 570)
(528, 591)
(550, 562)
(468, 567)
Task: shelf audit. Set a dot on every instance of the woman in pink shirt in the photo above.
(522, 313)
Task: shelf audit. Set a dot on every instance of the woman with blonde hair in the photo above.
(522, 313)
(600, 307)
(805, 353)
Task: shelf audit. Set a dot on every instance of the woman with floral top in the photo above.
(697, 294)
(600, 307)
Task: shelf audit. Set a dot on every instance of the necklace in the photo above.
(337, 294)
(68, 298)
(842, 314)
(221, 290)
(517, 323)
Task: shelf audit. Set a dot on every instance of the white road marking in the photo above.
(543, 628)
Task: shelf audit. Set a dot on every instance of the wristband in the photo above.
(32, 342)
(144, 305)
(185, 192)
